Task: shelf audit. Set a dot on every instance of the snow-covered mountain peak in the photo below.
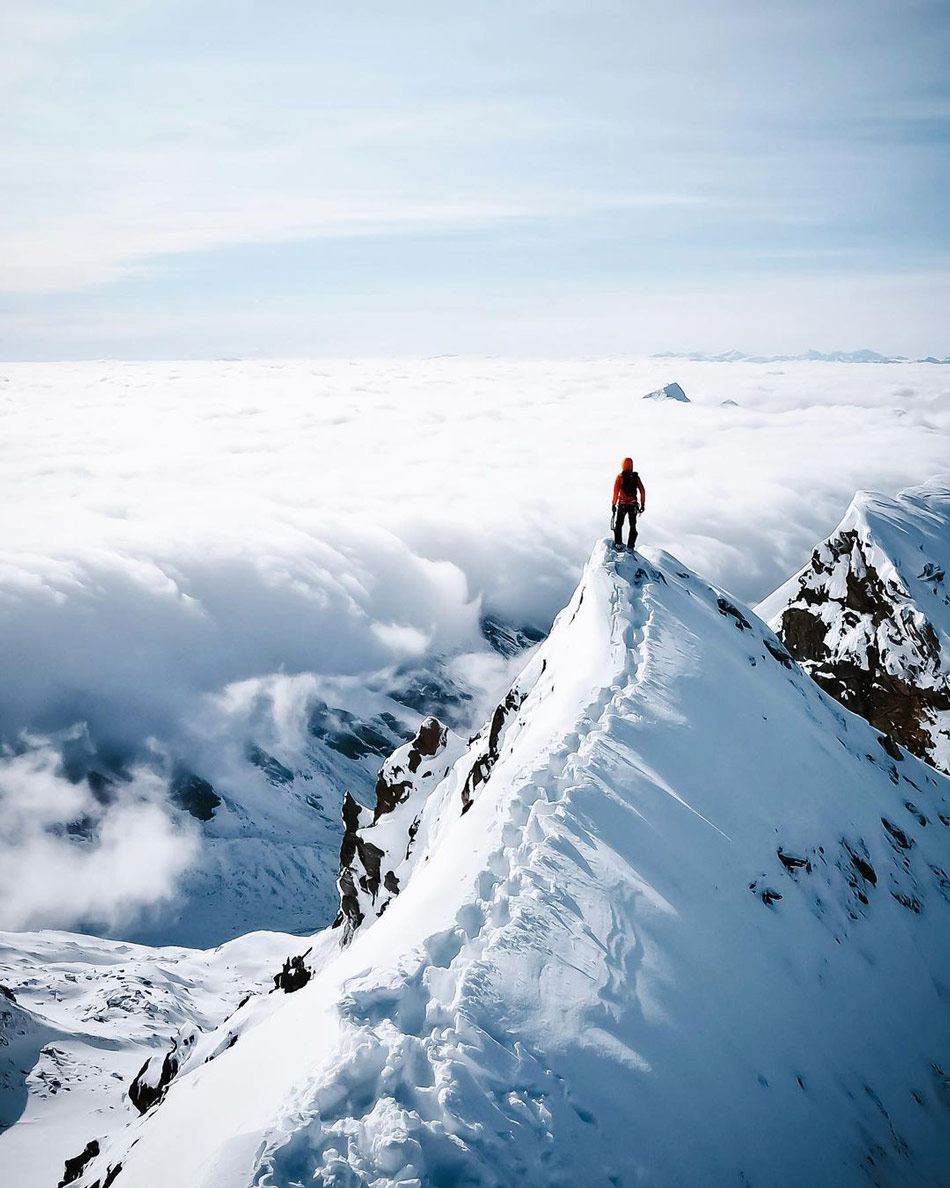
(672, 917)
(869, 616)
(671, 391)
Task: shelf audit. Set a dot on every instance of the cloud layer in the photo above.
(172, 531)
(69, 858)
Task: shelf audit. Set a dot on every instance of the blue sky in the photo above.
(220, 177)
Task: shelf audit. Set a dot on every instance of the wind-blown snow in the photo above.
(693, 930)
(182, 541)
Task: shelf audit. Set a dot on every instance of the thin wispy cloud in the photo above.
(576, 149)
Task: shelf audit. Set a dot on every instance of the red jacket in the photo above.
(619, 496)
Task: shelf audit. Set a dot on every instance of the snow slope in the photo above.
(82, 1017)
(692, 929)
(869, 616)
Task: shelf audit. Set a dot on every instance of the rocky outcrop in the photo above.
(195, 795)
(506, 640)
(868, 618)
(77, 1165)
(491, 737)
(158, 1072)
(294, 975)
(377, 842)
(355, 737)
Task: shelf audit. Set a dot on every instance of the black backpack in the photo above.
(629, 482)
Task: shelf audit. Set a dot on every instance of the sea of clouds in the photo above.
(171, 531)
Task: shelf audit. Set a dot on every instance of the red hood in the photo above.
(627, 464)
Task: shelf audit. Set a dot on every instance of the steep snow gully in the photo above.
(674, 917)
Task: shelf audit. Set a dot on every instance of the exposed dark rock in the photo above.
(152, 1080)
(792, 862)
(277, 774)
(886, 701)
(429, 740)
(102, 786)
(911, 902)
(363, 740)
(350, 913)
(367, 879)
(891, 747)
(109, 1178)
(76, 1165)
(778, 652)
(482, 767)
(898, 836)
(195, 796)
(878, 619)
(371, 857)
(351, 736)
(862, 865)
(726, 608)
(433, 693)
(943, 880)
(506, 640)
(294, 975)
(6, 992)
(804, 634)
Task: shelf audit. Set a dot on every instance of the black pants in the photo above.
(626, 511)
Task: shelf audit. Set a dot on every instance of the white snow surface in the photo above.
(694, 929)
(195, 555)
(88, 1014)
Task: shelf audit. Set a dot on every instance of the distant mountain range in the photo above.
(807, 357)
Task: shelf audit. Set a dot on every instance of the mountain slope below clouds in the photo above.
(869, 616)
(78, 1017)
(692, 928)
(235, 825)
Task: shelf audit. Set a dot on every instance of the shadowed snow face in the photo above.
(171, 531)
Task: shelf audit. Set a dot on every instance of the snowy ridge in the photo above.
(692, 928)
(869, 616)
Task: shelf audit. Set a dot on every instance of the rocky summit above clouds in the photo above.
(869, 616)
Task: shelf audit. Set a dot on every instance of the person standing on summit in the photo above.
(630, 498)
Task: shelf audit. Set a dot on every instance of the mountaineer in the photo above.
(630, 499)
